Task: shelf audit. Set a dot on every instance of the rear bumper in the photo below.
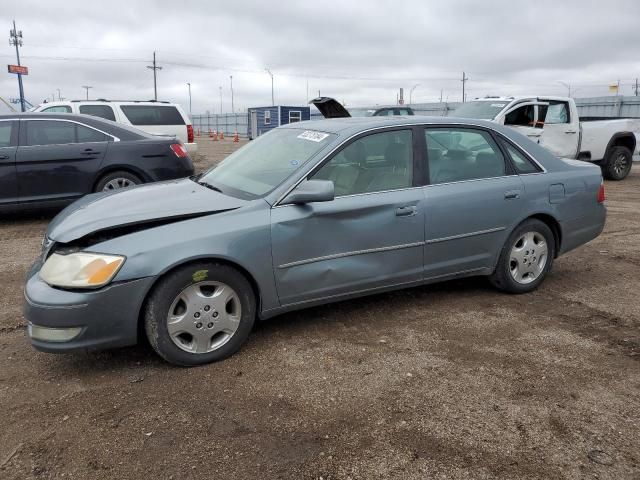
(98, 319)
(191, 147)
(584, 229)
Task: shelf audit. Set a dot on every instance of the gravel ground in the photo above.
(444, 381)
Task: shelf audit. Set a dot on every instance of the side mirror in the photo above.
(311, 191)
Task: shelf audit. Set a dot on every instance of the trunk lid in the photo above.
(330, 107)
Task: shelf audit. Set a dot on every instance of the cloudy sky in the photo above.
(360, 52)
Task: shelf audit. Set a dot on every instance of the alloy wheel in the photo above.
(528, 258)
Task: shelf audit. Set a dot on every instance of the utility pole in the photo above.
(636, 87)
(231, 80)
(440, 95)
(87, 87)
(155, 68)
(59, 96)
(464, 80)
(189, 85)
(273, 102)
(15, 38)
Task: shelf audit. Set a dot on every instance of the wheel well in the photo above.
(242, 270)
(113, 169)
(627, 140)
(553, 224)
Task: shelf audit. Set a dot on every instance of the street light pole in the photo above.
(87, 87)
(59, 96)
(220, 100)
(411, 92)
(272, 97)
(231, 79)
(568, 87)
(189, 85)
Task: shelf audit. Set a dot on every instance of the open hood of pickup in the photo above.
(330, 107)
(170, 201)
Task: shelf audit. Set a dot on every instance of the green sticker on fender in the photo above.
(200, 275)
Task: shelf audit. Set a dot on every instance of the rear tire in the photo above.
(200, 313)
(525, 259)
(116, 181)
(618, 163)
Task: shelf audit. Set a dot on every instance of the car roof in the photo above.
(351, 125)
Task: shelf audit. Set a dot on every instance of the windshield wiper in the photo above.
(209, 186)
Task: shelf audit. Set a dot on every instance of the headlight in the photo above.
(80, 270)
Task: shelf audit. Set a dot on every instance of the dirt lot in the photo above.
(446, 381)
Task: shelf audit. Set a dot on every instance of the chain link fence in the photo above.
(228, 123)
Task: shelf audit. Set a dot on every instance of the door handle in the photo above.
(570, 131)
(406, 211)
(4, 157)
(90, 152)
(511, 194)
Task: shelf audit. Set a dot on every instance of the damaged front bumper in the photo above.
(63, 320)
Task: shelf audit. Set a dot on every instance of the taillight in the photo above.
(189, 133)
(179, 149)
(601, 196)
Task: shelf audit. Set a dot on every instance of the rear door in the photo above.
(560, 132)
(8, 147)
(162, 120)
(473, 199)
(370, 236)
(57, 159)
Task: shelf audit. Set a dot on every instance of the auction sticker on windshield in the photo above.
(313, 136)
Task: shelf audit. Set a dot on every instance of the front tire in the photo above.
(200, 313)
(525, 258)
(618, 163)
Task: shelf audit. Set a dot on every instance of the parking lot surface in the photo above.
(444, 381)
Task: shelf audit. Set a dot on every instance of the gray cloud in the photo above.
(359, 52)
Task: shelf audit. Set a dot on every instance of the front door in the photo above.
(8, 142)
(371, 235)
(524, 118)
(57, 159)
(472, 201)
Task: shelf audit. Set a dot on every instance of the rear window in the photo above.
(102, 111)
(152, 115)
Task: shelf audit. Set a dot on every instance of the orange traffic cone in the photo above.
(215, 136)
(236, 139)
(210, 134)
(221, 135)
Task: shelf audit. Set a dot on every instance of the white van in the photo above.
(156, 118)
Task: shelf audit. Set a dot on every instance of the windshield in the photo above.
(264, 163)
(481, 110)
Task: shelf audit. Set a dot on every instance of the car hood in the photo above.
(150, 203)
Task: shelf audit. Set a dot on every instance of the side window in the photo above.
(58, 109)
(152, 114)
(267, 117)
(456, 154)
(557, 112)
(523, 116)
(102, 111)
(5, 134)
(375, 163)
(86, 134)
(520, 162)
(49, 132)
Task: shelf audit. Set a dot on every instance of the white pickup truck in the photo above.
(553, 122)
